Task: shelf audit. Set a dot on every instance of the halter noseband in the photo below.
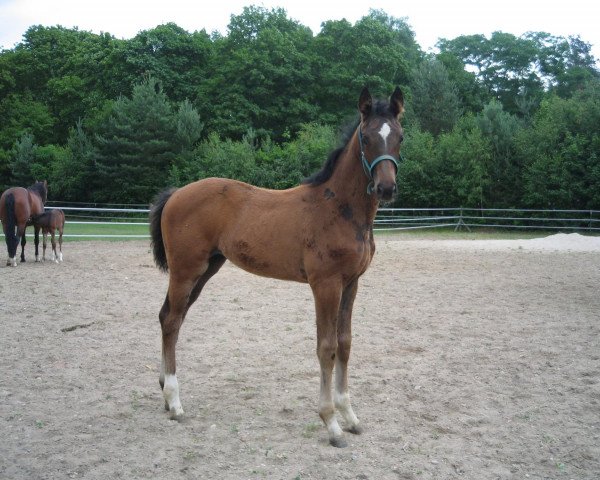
(369, 167)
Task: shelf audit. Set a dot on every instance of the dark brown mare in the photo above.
(50, 221)
(318, 233)
(18, 207)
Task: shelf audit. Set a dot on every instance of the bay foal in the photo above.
(318, 233)
(51, 221)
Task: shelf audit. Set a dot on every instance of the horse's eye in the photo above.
(365, 140)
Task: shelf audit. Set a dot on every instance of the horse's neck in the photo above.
(349, 183)
(36, 201)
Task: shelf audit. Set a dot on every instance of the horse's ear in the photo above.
(397, 102)
(365, 103)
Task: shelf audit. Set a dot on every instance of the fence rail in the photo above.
(388, 219)
(467, 218)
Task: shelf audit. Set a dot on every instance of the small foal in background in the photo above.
(49, 222)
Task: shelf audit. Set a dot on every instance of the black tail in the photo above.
(158, 247)
(12, 241)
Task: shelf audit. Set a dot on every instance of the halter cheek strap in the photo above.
(369, 167)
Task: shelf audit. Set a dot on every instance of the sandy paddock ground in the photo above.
(471, 359)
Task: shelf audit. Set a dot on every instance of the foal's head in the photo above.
(380, 135)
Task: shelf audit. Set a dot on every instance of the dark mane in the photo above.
(40, 189)
(381, 108)
(320, 177)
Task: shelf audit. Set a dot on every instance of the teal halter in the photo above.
(369, 167)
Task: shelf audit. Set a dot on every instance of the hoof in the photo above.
(355, 429)
(338, 442)
(176, 414)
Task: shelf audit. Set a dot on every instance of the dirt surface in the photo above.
(469, 361)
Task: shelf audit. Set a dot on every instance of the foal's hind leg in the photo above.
(53, 241)
(44, 243)
(180, 297)
(344, 337)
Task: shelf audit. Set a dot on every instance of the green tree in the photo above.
(561, 153)
(216, 157)
(262, 77)
(178, 59)
(449, 170)
(417, 179)
(472, 93)
(5, 158)
(23, 158)
(73, 176)
(434, 97)
(66, 71)
(463, 156)
(566, 64)
(187, 133)
(135, 146)
(378, 51)
(505, 64)
(21, 114)
(504, 170)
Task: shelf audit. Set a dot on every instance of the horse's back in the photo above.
(58, 218)
(255, 228)
(217, 202)
(50, 220)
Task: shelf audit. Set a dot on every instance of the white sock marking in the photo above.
(171, 394)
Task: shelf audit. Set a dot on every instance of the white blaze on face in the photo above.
(384, 132)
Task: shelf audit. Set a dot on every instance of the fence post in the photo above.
(461, 223)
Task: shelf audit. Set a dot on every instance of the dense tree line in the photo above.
(503, 121)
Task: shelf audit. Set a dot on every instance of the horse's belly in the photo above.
(268, 258)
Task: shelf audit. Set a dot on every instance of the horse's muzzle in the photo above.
(386, 193)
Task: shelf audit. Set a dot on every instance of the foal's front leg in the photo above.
(344, 337)
(327, 302)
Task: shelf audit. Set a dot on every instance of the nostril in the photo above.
(379, 190)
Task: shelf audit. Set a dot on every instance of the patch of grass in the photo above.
(72, 231)
(190, 455)
(310, 429)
